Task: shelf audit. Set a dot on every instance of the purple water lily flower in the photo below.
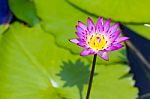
(98, 39)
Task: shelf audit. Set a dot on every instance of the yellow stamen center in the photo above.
(97, 42)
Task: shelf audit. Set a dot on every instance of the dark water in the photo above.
(138, 67)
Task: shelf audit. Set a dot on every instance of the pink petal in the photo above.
(107, 25)
(93, 52)
(121, 39)
(79, 29)
(114, 47)
(99, 25)
(82, 25)
(103, 55)
(82, 44)
(113, 28)
(115, 35)
(91, 26)
(76, 41)
(85, 52)
(81, 35)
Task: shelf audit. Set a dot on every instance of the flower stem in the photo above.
(91, 77)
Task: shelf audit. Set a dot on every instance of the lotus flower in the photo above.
(98, 39)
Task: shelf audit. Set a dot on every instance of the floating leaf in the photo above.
(3, 28)
(128, 11)
(30, 64)
(61, 23)
(24, 10)
(142, 30)
(112, 80)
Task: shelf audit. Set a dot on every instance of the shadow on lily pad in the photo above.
(75, 74)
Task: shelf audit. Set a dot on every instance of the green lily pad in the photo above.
(24, 10)
(61, 23)
(112, 80)
(32, 64)
(29, 63)
(128, 11)
(142, 30)
(3, 28)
